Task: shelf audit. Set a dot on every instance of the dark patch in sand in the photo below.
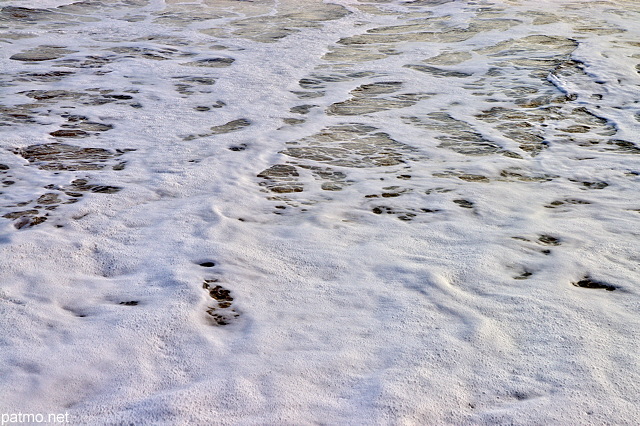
(223, 312)
(588, 282)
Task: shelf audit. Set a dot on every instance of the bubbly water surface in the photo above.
(303, 212)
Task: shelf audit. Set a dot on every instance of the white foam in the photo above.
(346, 316)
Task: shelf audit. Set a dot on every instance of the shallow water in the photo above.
(363, 212)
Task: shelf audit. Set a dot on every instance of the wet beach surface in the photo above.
(364, 212)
